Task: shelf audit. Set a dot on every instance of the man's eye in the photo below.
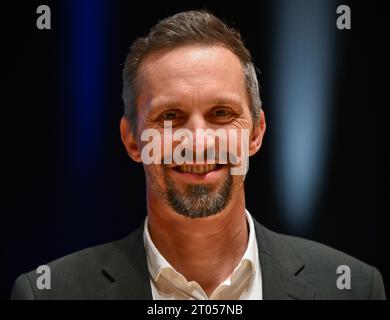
(222, 113)
(171, 115)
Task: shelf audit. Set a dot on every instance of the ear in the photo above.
(256, 138)
(129, 140)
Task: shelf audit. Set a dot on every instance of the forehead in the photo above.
(204, 71)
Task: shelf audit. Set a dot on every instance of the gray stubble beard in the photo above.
(199, 200)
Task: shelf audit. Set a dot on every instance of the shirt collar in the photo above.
(157, 263)
(251, 253)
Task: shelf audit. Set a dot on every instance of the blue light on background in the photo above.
(87, 42)
(303, 60)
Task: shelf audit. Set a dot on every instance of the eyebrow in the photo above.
(225, 100)
(162, 104)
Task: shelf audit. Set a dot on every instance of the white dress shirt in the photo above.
(244, 283)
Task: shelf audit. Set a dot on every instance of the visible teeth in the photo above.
(197, 169)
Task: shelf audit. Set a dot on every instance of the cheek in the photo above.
(243, 122)
(154, 173)
(238, 183)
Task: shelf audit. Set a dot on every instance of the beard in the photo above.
(199, 200)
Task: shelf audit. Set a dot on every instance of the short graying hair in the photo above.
(190, 27)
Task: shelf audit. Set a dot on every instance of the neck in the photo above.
(205, 250)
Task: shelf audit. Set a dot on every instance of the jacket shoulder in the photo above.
(333, 274)
(74, 276)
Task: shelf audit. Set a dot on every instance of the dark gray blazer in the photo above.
(292, 268)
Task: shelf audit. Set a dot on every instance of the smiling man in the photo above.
(198, 240)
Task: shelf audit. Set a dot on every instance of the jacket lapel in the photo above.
(127, 270)
(280, 268)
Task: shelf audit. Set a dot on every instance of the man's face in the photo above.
(195, 87)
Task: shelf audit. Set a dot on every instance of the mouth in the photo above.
(199, 173)
(197, 169)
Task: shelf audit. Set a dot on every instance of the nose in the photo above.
(200, 138)
(196, 121)
(194, 124)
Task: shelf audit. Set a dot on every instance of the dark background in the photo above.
(68, 183)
